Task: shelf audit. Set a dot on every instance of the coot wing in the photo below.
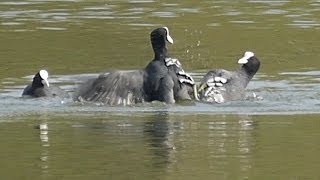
(115, 88)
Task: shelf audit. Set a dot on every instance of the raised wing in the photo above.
(185, 83)
(184, 78)
(115, 88)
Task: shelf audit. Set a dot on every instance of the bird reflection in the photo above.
(159, 132)
(231, 139)
(245, 142)
(44, 139)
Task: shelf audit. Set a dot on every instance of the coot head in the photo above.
(41, 79)
(250, 63)
(159, 37)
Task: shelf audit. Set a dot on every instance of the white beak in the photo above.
(44, 75)
(246, 57)
(45, 82)
(169, 39)
(243, 60)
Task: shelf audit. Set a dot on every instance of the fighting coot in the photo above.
(40, 87)
(158, 81)
(220, 85)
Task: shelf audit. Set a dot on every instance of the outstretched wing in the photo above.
(115, 88)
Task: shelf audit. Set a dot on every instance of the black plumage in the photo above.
(40, 87)
(158, 81)
(161, 81)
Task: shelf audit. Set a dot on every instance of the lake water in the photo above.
(273, 137)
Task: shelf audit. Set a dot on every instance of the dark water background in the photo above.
(273, 138)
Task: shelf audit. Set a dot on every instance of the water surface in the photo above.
(274, 136)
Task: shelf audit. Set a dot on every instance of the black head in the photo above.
(41, 79)
(159, 37)
(250, 63)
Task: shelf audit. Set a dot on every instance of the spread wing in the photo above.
(115, 88)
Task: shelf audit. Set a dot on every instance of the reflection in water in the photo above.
(231, 142)
(245, 143)
(161, 145)
(44, 139)
(159, 132)
(225, 142)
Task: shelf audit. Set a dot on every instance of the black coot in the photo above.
(161, 77)
(158, 81)
(40, 87)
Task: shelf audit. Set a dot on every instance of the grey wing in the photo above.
(115, 88)
(214, 86)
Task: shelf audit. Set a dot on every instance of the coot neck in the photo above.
(160, 51)
(37, 81)
(249, 70)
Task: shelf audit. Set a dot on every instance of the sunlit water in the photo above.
(274, 136)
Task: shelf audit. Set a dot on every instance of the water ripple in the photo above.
(272, 2)
(49, 11)
(275, 12)
(164, 14)
(18, 3)
(304, 23)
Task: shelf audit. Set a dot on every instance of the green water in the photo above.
(274, 138)
(161, 146)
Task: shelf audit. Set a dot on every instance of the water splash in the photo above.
(291, 93)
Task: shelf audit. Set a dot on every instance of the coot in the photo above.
(161, 77)
(220, 85)
(40, 87)
(158, 81)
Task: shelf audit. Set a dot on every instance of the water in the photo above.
(272, 137)
(161, 146)
(291, 93)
